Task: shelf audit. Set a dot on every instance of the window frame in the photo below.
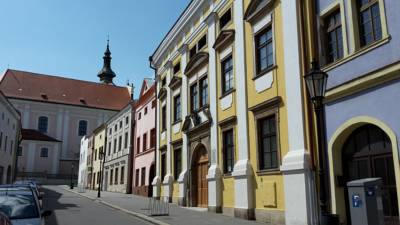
(201, 91)
(116, 175)
(42, 155)
(177, 162)
(46, 130)
(153, 138)
(269, 114)
(122, 175)
(194, 98)
(226, 23)
(263, 31)
(177, 108)
(328, 30)
(224, 73)
(226, 147)
(360, 10)
(163, 118)
(144, 141)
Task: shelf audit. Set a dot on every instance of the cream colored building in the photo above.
(10, 130)
(99, 141)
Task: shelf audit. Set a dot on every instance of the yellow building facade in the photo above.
(99, 135)
(232, 134)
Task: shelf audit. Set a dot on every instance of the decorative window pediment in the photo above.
(257, 7)
(175, 82)
(162, 93)
(224, 38)
(196, 62)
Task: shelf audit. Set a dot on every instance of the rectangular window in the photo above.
(228, 151)
(111, 176)
(163, 165)
(120, 143)
(95, 154)
(42, 124)
(19, 153)
(144, 141)
(163, 118)
(177, 163)
(227, 75)
(115, 145)
(122, 175)
(193, 98)
(177, 108)
(143, 176)
(138, 145)
(44, 152)
(126, 140)
(192, 51)
(267, 143)
(369, 21)
(1, 139)
(264, 50)
(225, 19)
(137, 178)
(120, 124)
(115, 127)
(116, 176)
(177, 68)
(140, 116)
(163, 82)
(334, 39)
(82, 127)
(145, 111)
(109, 148)
(152, 138)
(11, 147)
(203, 92)
(202, 43)
(127, 120)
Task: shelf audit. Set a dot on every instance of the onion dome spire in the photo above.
(106, 74)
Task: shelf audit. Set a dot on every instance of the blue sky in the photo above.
(68, 37)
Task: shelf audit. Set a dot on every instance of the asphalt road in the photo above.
(70, 209)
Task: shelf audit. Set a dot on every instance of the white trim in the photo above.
(226, 102)
(224, 53)
(264, 82)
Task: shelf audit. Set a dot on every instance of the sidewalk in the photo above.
(137, 206)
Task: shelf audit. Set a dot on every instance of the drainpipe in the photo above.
(155, 118)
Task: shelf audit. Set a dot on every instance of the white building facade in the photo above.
(118, 159)
(10, 128)
(82, 172)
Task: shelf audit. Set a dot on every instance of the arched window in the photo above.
(82, 127)
(43, 124)
(44, 152)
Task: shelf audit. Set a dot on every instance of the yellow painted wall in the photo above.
(228, 192)
(269, 192)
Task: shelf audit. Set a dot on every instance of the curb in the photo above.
(135, 214)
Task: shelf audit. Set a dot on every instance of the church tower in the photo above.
(106, 74)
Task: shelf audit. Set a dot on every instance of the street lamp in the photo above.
(102, 155)
(316, 80)
(71, 184)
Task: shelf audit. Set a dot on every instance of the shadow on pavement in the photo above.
(51, 202)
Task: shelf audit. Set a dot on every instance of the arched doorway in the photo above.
(199, 177)
(367, 152)
(8, 175)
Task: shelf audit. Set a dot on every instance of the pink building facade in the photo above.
(144, 140)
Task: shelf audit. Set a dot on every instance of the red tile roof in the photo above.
(45, 88)
(30, 134)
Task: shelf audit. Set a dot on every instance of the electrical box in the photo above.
(365, 201)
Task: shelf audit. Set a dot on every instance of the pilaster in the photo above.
(242, 172)
(298, 178)
(214, 173)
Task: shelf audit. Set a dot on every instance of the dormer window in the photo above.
(199, 45)
(225, 19)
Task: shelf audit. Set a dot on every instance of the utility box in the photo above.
(365, 201)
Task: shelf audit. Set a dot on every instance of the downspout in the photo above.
(155, 118)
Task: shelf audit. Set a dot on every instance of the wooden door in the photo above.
(200, 184)
(368, 153)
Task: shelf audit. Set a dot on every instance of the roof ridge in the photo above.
(62, 77)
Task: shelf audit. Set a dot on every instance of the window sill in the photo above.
(227, 93)
(269, 172)
(357, 53)
(227, 175)
(262, 73)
